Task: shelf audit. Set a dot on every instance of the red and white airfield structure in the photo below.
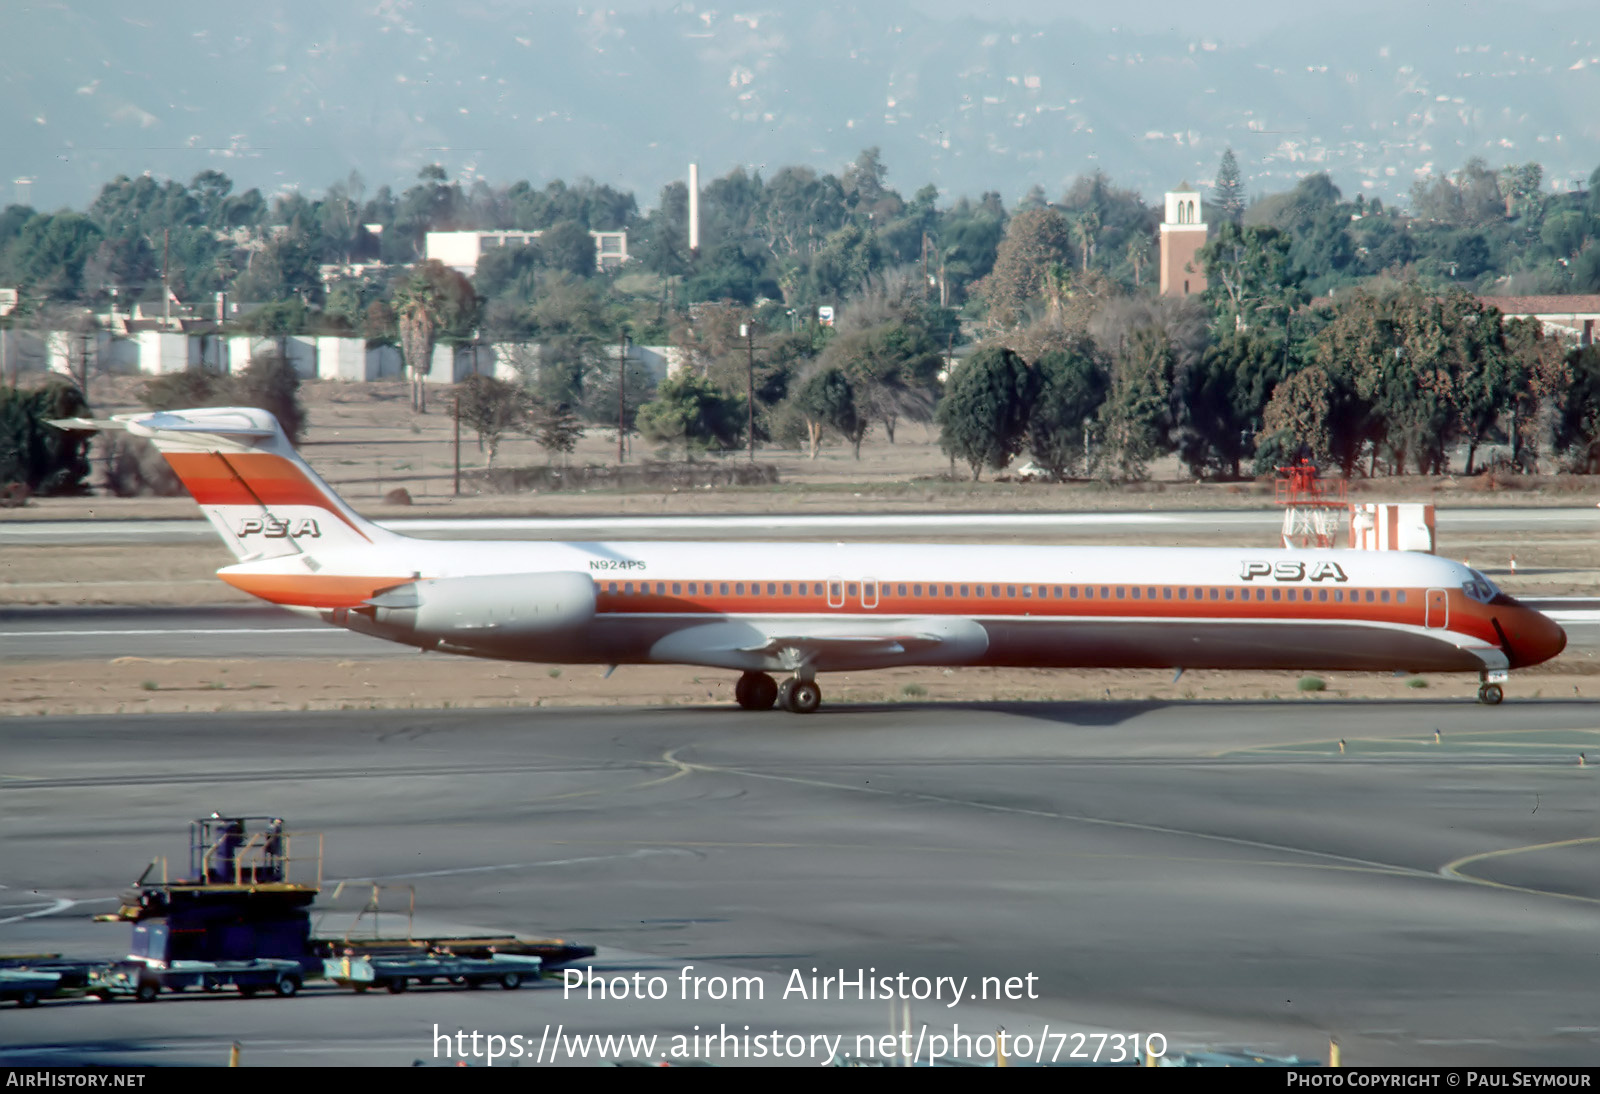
(802, 609)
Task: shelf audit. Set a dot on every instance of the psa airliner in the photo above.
(796, 611)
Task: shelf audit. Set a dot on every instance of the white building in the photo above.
(462, 250)
(1574, 318)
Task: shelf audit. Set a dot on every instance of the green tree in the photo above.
(1577, 434)
(1221, 400)
(1135, 416)
(508, 272)
(270, 382)
(286, 269)
(1458, 354)
(1248, 275)
(1035, 239)
(1297, 421)
(827, 399)
(432, 300)
(51, 251)
(203, 386)
(1070, 386)
(1544, 361)
(36, 455)
(1227, 193)
(689, 410)
(568, 246)
(492, 408)
(893, 369)
(983, 417)
(555, 428)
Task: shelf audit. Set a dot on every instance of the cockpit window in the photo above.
(1480, 588)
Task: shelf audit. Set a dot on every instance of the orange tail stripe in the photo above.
(272, 479)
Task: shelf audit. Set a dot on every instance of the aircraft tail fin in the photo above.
(252, 485)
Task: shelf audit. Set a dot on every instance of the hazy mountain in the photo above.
(300, 93)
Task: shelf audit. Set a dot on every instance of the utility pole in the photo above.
(166, 288)
(622, 397)
(922, 285)
(749, 332)
(458, 444)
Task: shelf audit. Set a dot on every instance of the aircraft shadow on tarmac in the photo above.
(1108, 712)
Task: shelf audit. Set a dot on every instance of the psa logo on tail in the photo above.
(271, 527)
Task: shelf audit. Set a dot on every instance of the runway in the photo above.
(769, 526)
(1218, 873)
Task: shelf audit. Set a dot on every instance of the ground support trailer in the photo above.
(25, 979)
(145, 982)
(397, 972)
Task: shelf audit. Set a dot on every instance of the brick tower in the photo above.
(1183, 233)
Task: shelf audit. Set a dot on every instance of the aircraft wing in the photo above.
(846, 644)
(784, 647)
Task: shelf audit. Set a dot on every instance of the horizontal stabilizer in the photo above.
(224, 421)
(86, 425)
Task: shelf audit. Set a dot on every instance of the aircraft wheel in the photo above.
(756, 691)
(1490, 695)
(287, 987)
(397, 985)
(147, 991)
(28, 999)
(804, 697)
(784, 691)
(511, 981)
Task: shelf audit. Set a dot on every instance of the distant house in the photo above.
(1573, 318)
(462, 250)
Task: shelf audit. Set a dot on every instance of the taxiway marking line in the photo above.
(1346, 861)
(1453, 869)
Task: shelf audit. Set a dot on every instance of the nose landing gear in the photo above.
(1489, 693)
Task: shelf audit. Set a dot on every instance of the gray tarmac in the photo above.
(1215, 872)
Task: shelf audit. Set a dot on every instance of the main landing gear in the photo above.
(758, 691)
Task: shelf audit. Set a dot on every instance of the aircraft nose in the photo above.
(1533, 637)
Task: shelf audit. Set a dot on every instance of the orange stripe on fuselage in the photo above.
(1466, 616)
(312, 590)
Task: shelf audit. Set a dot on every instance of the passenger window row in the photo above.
(1013, 592)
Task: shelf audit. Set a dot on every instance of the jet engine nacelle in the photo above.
(489, 610)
